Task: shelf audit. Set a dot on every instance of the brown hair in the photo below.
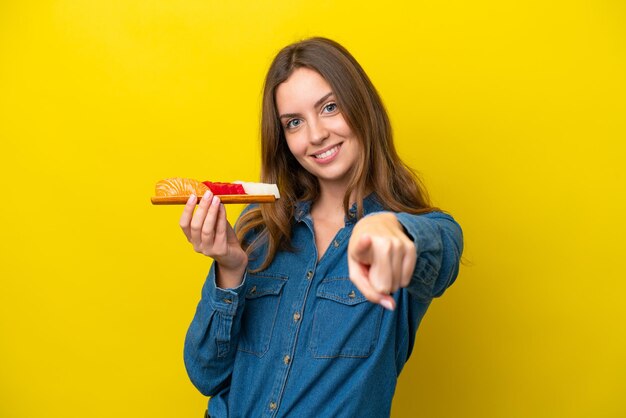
(378, 169)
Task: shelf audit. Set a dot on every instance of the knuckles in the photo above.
(405, 281)
(381, 286)
(207, 232)
(383, 246)
(388, 245)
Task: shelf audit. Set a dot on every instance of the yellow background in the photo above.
(514, 112)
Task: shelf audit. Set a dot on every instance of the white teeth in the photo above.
(328, 153)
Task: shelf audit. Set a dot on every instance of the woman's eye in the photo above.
(293, 123)
(330, 107)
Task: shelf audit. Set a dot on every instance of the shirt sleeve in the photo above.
(211, 339)
(438, 239)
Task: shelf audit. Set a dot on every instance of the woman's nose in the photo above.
(318, 132)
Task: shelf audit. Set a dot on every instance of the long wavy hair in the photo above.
(378, 168)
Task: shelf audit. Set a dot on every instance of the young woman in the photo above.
(311, 308)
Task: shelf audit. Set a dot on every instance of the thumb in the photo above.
(231, 236)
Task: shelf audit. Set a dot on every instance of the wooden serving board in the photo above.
(225, 198)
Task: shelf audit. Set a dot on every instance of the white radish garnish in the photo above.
(259, 188)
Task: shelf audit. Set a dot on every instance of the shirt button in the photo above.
(335, 243)
(227, 300)
(296, 316)
(272, 405)
(309, 274)
(286, 359)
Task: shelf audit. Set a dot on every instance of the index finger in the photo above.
(361, 281)
(366, 288)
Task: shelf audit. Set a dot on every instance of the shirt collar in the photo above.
(370, 204)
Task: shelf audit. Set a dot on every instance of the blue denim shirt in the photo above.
(298, 339)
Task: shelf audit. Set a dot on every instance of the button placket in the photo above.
(284, 369)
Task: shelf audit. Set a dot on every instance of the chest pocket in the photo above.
(345, 323)
(263, 293)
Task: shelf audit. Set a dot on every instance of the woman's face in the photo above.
(317, 133)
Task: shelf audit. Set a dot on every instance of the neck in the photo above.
(330, 201)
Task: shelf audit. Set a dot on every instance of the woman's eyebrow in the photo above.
(318, 103)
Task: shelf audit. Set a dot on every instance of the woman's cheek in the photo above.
(296, 145)
(338, 124)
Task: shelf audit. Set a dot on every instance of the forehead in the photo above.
(301, 90)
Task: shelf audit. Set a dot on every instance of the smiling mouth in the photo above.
(328, 153)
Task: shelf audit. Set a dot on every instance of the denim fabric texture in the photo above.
(298, 339)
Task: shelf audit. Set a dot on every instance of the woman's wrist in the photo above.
(229, 278)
